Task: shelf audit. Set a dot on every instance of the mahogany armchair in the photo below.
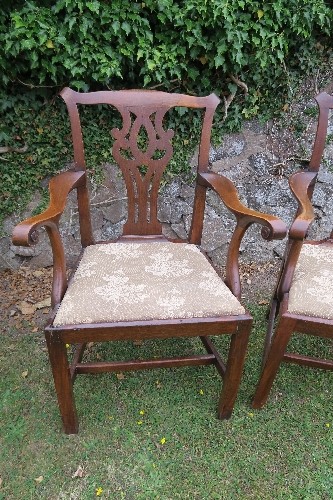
(303, 299)
(143, 285)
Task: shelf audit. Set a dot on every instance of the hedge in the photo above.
(195, 44)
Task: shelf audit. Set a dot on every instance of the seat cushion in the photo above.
(144, 281)
(311, 292)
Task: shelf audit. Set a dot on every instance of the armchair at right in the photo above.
(303, 299)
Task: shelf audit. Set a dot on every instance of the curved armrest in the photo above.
(59, 187)
(300, 183)
(274, 228)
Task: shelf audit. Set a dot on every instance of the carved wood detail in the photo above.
(142, 172)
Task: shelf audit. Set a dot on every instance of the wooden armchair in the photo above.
(143, 286)
(303, 299)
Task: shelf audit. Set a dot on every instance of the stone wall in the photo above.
(249, 159)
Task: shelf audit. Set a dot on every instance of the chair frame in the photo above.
(142, 225)
(302, 185)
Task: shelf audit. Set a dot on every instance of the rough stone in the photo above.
(244, 158)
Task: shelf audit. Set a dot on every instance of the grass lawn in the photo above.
(155, 435)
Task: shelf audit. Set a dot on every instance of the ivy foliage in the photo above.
(122, 43)
(193, 46)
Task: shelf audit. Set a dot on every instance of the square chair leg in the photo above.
(62, 381)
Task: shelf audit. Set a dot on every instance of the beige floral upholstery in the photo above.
(311, 292)
(143, 281)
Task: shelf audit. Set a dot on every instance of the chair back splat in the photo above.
(143, 285)
(142, 168)
(303, 298)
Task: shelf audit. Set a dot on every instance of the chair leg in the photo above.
(274, 358)
(62, 381)
(234, 369)
(273, 312)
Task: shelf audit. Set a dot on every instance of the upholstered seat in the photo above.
(311, 291)
(144, 281)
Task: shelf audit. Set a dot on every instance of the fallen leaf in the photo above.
(263, 302)
(12, 312)
(38, 273)
(24, 374)
(39, 479)
(79, 472)
(120, 376)
(43, 303)
(27, 308)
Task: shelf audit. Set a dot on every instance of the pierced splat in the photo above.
(142, 149)
(142, 161)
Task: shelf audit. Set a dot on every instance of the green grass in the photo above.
(282, 451)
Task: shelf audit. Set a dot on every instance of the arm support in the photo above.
(25, 233)
(273, 227)
(302, 184)
(59, 187)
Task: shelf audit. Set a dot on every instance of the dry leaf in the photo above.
(263, 302)
(0, 482)
(43, 303)
(79, 472)
(120, 376)
(38, 273)
(27, 308)
(24, 374)
(39, 479)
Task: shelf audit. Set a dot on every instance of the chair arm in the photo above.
(25, 233)
(273, 227)
(301, 184)
(59, 187)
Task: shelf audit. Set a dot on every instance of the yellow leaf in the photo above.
(49, 44)
(24, 374)
(163, 440)
(120, 376)
(201, 392)
(39, 479)
(99, 491)
(203, 60)
(40, 131)
(260, 13)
